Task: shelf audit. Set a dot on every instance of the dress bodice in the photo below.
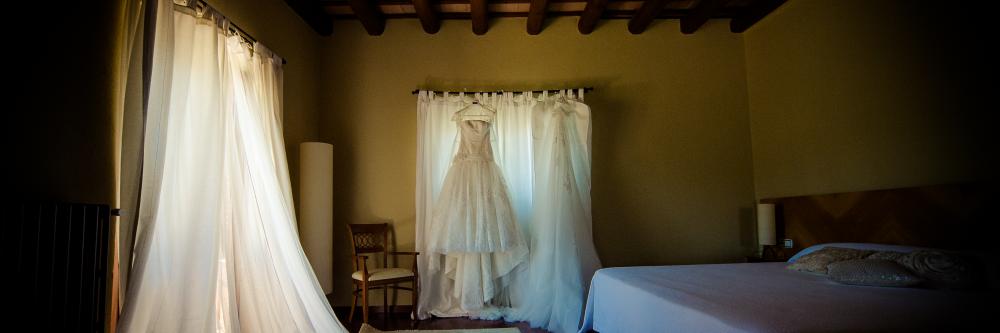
(474, 144)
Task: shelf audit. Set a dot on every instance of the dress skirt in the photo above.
(474, 234)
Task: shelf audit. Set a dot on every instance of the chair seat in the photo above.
(376, 274)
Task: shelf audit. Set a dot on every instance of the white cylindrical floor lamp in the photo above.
(316, 209)
(765, 226)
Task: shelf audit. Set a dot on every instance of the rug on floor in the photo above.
(365, 328)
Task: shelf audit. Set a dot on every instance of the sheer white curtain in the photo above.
(216, 248)
(542, 145)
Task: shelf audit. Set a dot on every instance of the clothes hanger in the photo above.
(475, 111)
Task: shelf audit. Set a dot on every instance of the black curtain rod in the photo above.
(239, 31)
(585, 89)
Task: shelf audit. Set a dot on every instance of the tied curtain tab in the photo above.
(541, 143)
(217, 249)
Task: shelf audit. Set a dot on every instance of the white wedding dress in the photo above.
(563, 258)
(473, 233)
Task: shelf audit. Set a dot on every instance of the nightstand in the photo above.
(759, 259)
(769, 253)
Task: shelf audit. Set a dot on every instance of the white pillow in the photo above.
(859, 246)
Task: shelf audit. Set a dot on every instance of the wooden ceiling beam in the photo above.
(536, 16)
(428, 17)
(757, 11)
(369, 15)
(704, 10)
(591, 14)
(314, 15)
(650, 10)
(480, 22)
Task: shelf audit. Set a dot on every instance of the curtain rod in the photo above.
(585, 89)
(232, 26)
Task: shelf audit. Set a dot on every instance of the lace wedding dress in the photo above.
(473, 232)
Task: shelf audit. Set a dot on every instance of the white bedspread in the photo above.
(763, 297)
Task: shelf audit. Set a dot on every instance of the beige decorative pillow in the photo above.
(872, 272)
(940, 269)
(818, 261)
(887, 255)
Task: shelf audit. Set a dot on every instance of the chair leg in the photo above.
(395, 295)
(364, 302)
(354, 303)
(385, 300)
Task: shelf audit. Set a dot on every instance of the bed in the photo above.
(767, 297)
(763, 297)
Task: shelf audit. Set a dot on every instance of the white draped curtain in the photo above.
(542, 145)
(216, 248)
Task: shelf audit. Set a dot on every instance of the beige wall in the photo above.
(671, 164)
(277, 26)
(858, 95)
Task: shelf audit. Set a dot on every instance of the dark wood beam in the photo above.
(369, 15)
(479, 20)
(591, 14)
(536, 16)
(313, 14)
(428, 17)
(704, 10)
(650, 10)
(756, 12)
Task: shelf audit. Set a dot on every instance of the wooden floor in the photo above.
(401, 321)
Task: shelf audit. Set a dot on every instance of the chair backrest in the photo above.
(370, 238)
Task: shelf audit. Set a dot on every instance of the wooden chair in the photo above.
(373, 239)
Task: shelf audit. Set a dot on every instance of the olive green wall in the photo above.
(831, 95)
(672, 179)
(859, 95)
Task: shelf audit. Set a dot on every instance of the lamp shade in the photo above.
(315, 209)
(765, 225)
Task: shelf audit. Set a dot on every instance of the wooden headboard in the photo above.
(940, 216)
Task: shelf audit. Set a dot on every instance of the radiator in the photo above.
(60, 256)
